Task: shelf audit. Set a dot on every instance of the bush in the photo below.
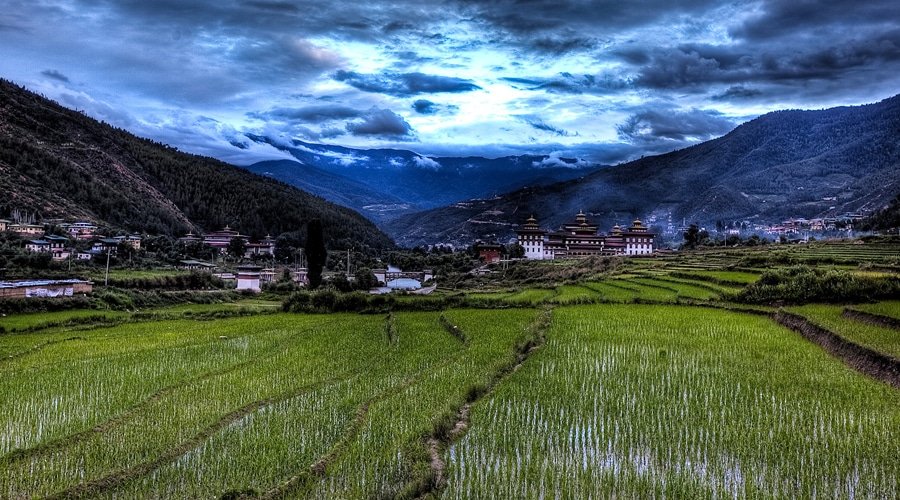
(802, 284)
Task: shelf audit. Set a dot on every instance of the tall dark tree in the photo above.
(316, 254)
(692, 236)
(236, 248)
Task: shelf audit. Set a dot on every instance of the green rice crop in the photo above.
(650, 401)
(574, 294)
(736, 277)
(613, 293)
(18, 322)
(879, 338)
(889, 308)
(531, 296)
(182, 373)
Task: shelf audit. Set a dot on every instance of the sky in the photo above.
(604, 81)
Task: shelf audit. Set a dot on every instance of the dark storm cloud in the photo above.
(567, 83)
(539, 124)
(425, 107)
(573, 25)
(382, 123)
(738, 92)
(658, 124)
(283, 7)
(778, 18)
(318, 113)
(55, 75)
(698, 66)
(404, 84)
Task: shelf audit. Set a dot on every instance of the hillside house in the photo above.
(489, 253)
(54, 245)
(4, 224)
(105, 245)
(27, 230)
(80, 230)
(133, 240)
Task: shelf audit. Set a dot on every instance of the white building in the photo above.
(248, 278)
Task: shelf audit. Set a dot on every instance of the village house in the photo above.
(54, 245)
(580, 238)
(105, 245)
(80, 230)
(27, 230)
(133, 240)
(489, 253)
(4, 224)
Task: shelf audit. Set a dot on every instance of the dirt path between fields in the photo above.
(872, 319)
(441, 439)
(120, 477)
(116, 420)
(319, 469)
(862, 359)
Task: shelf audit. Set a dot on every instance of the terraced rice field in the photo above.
(244, 403)
(889, 308)
(879, 338)
(642, 401)
(623, 400)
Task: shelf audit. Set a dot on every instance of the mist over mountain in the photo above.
(782, 164)
(57, 162)
(384, 184)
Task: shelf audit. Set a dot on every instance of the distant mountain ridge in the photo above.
(782, 164)
(386, 183)
(59, 163)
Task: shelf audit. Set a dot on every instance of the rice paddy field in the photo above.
(646, 382)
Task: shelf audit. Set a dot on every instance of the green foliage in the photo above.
(802, 284)
(186, 281)
(365, 279)
(236, 248)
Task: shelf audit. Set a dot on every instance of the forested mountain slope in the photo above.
(60, 163)
(782, 164)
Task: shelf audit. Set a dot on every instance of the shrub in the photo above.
(802, 284)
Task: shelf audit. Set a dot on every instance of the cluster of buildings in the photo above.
(221, 240)
(580, 238)
(817, 225)
(62, 247)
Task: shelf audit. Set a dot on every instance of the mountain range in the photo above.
(57, 162)
(384, 184)
(782, 164)
(60, 163)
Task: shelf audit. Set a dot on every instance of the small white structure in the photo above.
(404, 284)
(248, 278)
